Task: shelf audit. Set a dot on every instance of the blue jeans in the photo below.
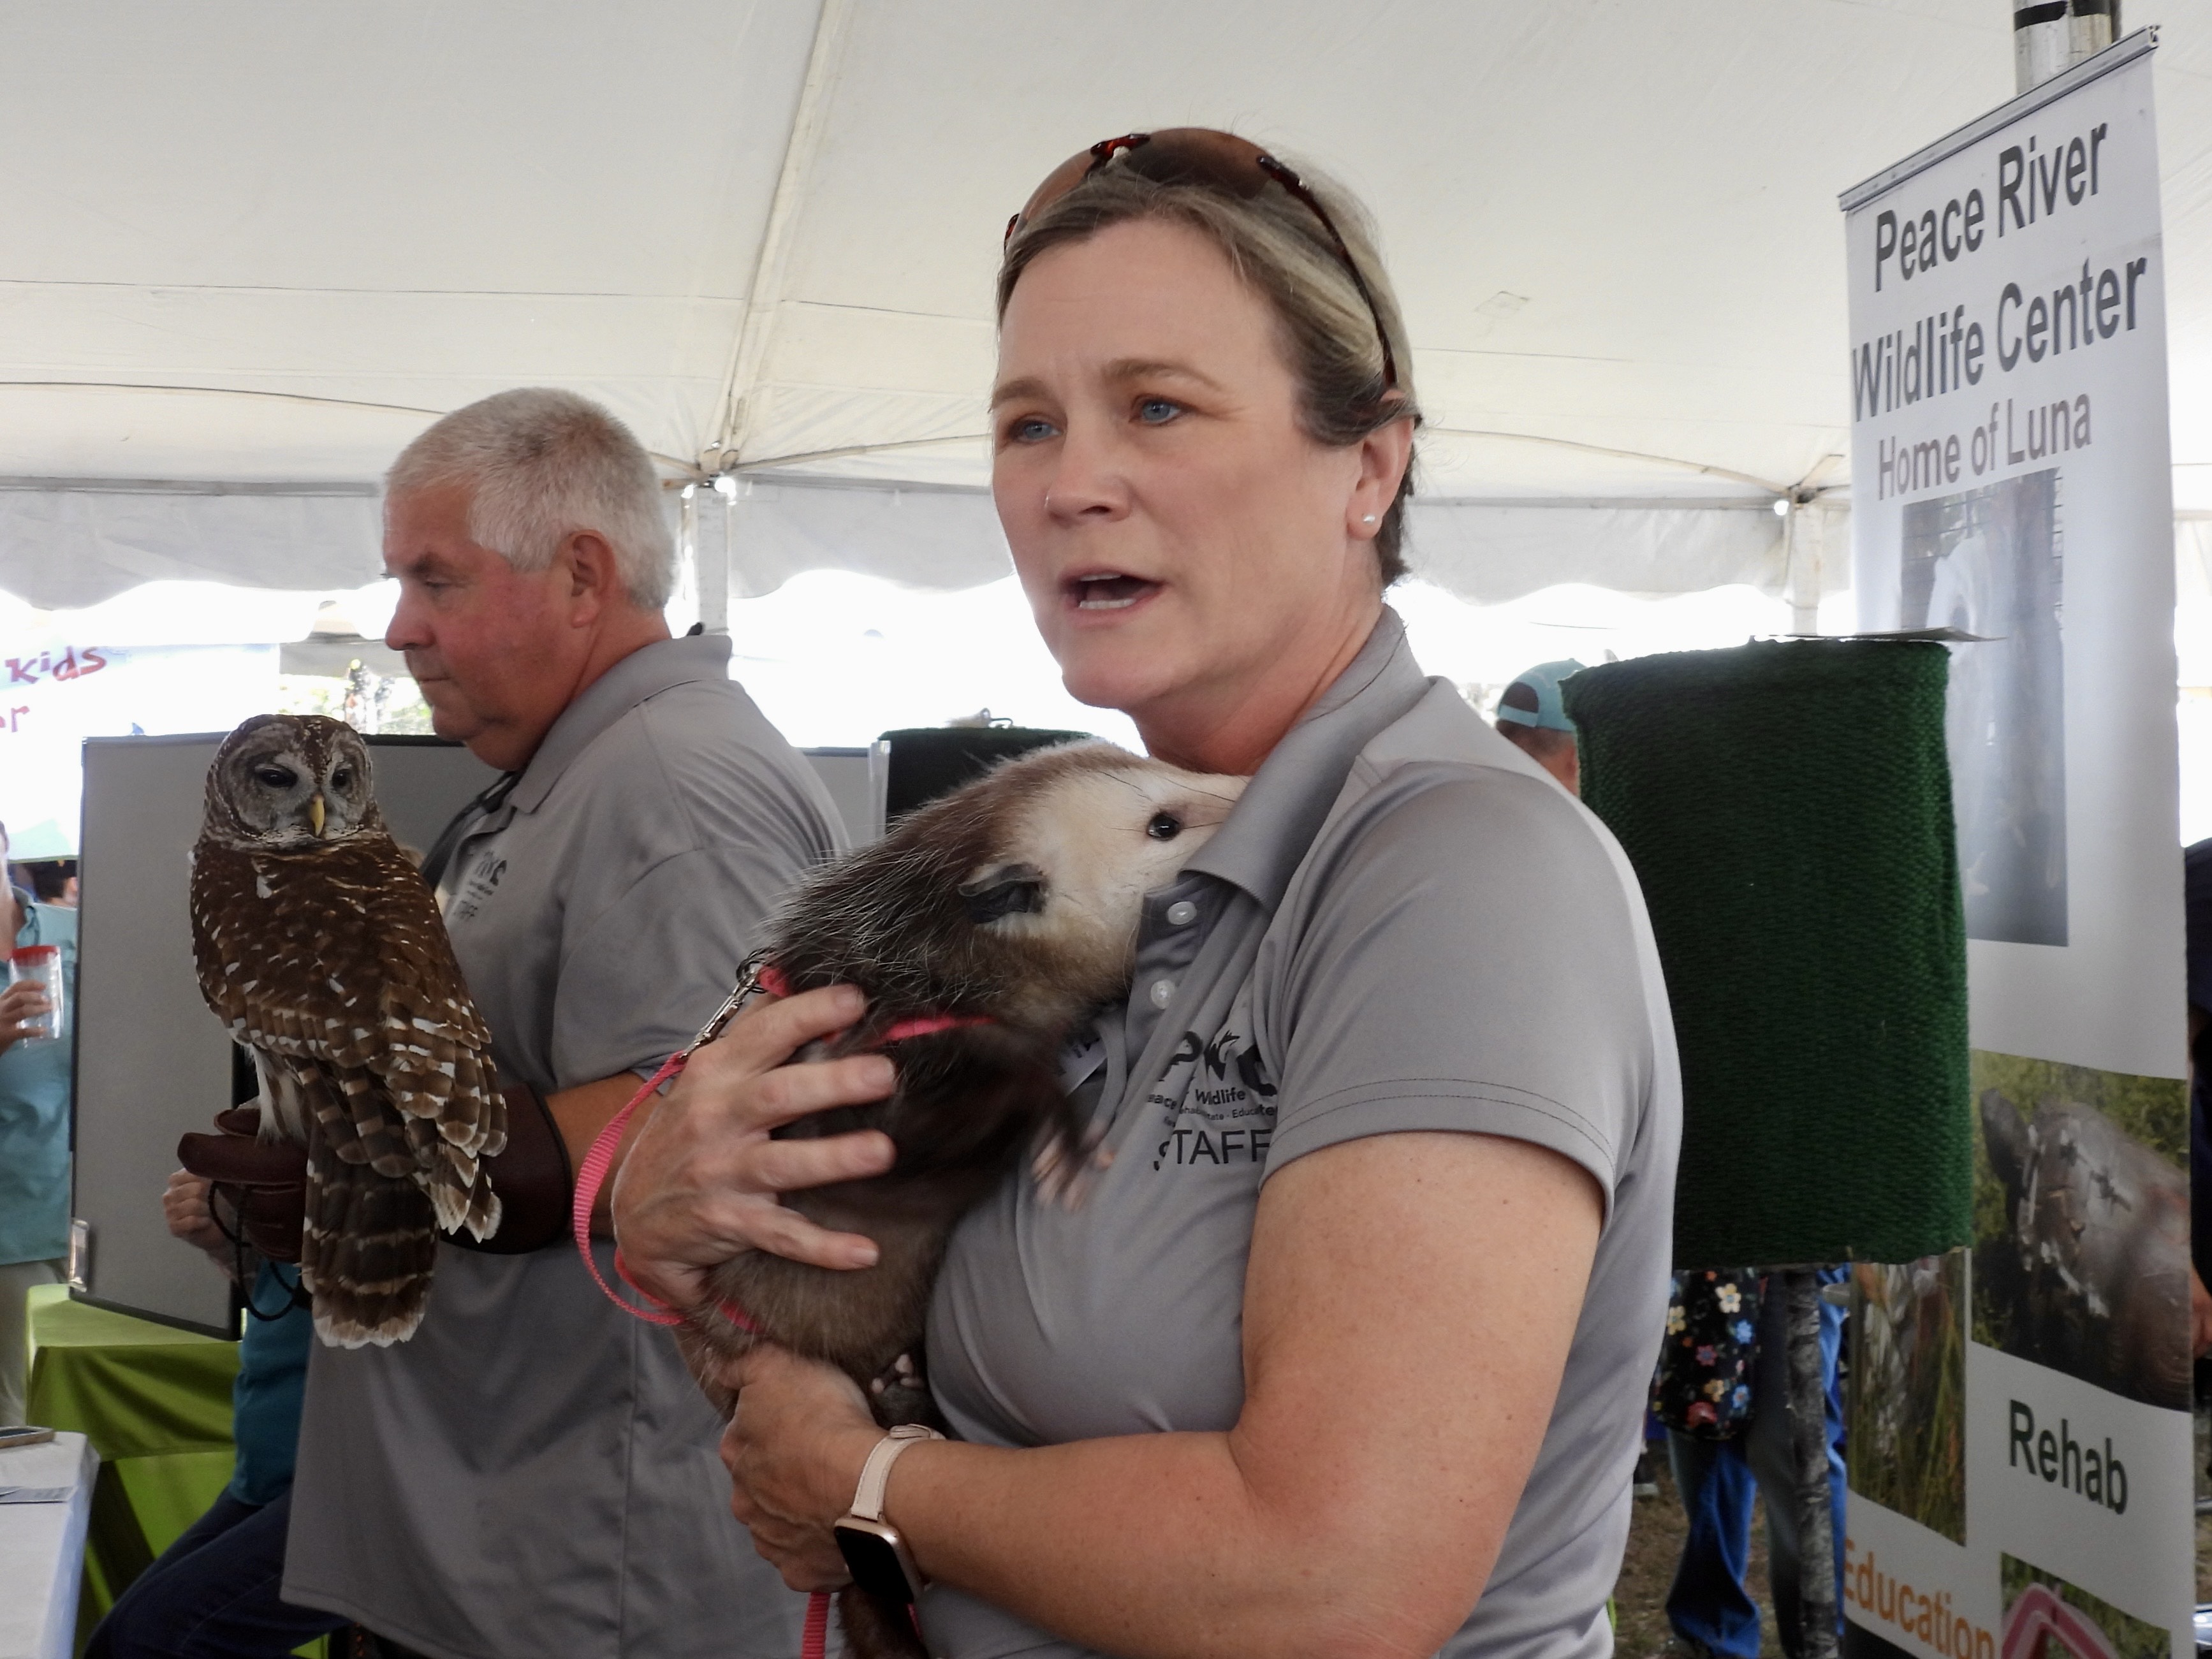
(213, 1595)
(1707, 1604)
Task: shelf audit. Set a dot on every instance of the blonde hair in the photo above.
(540, 464)
(1281, 250)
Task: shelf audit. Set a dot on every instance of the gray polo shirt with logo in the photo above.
(1405, 925)
(534, 1474)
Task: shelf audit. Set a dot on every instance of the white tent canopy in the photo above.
(253, 248)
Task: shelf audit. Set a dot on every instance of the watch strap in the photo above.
(876, 1473)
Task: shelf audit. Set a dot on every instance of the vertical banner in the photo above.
(2020, 1443)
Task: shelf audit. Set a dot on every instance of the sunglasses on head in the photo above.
(1209, 159)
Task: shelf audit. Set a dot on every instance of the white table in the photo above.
(42, 1548)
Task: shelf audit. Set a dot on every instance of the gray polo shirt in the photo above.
(534, 1474)
(1404, 925)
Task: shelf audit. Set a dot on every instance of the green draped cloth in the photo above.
(155, 1401)
(1787, 808)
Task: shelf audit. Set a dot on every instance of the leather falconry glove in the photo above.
(531, 1176)
(264, 1182)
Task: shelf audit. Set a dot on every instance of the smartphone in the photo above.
(22, 1434)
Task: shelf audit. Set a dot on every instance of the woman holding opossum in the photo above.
(1343, 1349)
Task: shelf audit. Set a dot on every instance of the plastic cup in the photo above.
(40, 964)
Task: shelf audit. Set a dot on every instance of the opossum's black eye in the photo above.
(1164, 826)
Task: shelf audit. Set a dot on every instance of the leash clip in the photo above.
(749, 983)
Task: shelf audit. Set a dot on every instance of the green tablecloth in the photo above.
(155, 1401)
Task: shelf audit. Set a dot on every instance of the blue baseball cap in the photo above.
(1533, 699)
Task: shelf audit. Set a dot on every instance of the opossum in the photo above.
(1014, 903)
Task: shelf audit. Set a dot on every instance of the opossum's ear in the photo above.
(1003, 891)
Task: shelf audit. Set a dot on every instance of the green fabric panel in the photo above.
(136, 1388)
(167, 1494)
(156, 1403)
(1787, 807)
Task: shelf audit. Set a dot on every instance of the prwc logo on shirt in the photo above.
(477, 888)
(1224, 1085)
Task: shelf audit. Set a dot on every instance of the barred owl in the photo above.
(322, 951)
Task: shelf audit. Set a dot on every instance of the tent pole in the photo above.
(713, 561)
(2049, 40)
(1802, 545)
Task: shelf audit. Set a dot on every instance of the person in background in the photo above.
(533, 1472)
(1723, 1390)
(2197, 866)
(213, 1595)
(1531, 718)
(54, 881)
(34, 1131)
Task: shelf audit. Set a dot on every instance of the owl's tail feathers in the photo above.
(366, 1252)
(484, 1209)
(458, 1184)
(473, 1115)
(461, 1192)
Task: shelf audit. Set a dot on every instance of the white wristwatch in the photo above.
(878, 1557)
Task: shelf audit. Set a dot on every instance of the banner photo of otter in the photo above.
(1989, 561)
(2081, 1223)
(1905, 1409)
(2024, 1400)
(2047, 1617)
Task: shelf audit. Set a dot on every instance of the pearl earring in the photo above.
(1369, 519)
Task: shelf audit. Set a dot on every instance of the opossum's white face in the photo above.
(1085, 851)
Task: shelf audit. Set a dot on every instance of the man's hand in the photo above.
(794, 1450)
(20, 1005)
(700, 1182)
(185, 1206)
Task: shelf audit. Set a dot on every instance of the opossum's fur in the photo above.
(1017, 899)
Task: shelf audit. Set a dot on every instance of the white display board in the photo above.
(2020, 1444)
(152, 1064)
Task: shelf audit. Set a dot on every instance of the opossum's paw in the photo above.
(876, 1629)
(704, 1356)
(899, 1373)
(900, 1395)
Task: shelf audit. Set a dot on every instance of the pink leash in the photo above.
(592, 1176)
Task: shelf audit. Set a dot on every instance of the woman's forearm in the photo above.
(1157, 1545)
(1358, 1505)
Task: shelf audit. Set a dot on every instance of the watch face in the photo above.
(874, 1562)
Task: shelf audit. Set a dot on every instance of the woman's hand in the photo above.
(21, 1003)
(795, 1448)
(700, 1183)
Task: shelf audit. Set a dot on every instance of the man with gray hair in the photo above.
(535, 1473)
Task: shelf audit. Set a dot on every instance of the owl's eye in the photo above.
(342, 778)
(276, 777)
(1164, 826)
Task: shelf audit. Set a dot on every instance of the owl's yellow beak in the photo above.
(315, 814)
